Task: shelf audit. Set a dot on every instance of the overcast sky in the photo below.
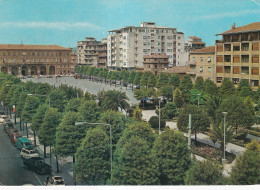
(64, 22)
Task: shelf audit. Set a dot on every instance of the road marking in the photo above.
(37, 178)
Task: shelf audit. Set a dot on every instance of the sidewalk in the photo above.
(65, 164)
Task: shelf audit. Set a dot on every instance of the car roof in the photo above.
(24, 139)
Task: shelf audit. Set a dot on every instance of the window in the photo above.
(193, 58)
(159, 37)
(42, 53)
(179, 44)
(255, 46)
(255, 71)
(254, 82)
(159, 43)
(219, 79)
(245, 47)
(236, 58)
(219, 69)
(159, 50)
(245, 58)
(209, 69)
(157, 31)
(245, 70)
(236, 70)
(255, 58)
(144, 37)
(201, 59)
(169, 50)
(179, 37)
(179, 50)
(209, 59)
(227, 69)
(201, 69)
(236, 47)
(235, 80)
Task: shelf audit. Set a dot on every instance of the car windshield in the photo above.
(27, 143)
(59, 182)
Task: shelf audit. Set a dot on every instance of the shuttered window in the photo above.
(255, 71)
(236, 59)
(255, 59)
(236, 70)
(219, 69)
(219, 47)
(255, 46)
(220, 58)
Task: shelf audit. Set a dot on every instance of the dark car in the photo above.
(38, 165)
(8, 126)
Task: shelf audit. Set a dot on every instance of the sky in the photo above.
(64, 22)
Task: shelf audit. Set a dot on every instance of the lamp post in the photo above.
(159, 115)
(225, 114)
(106, 124)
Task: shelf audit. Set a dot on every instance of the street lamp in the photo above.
(225, 114)
(41, 95)
(111, 157)
(159, 114)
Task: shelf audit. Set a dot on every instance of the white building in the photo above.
(127, 46)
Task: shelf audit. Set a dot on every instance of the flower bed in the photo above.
(210, 152)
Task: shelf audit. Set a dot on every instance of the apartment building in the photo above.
(127, 46)
(202, 63)
(21, 59)
(237, 54)
(194, 43)
(156, 63)
(102, 54)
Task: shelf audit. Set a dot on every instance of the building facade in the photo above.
(237, 54)
(35, 59)
(92, 52)
(194, 43)
(202, 63)
(156, 63)
(127, 46)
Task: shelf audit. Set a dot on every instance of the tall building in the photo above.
(127, 46)
(202, 63)
(237, 54)
(92, 52)
(20, 59)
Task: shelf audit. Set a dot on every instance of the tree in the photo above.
(199, 120)
(131, 77)
(137, 114)
(227, 88)
(212, 104)
(162, 80)
(197, 97)
(199, 83)
(88, 96)
(30, 106)
(154, 122)
(234, 106)
(186, 86)
(142, 93)
(37, 119)
(210, 87)
(74, 104)
(48, 127)
(151, 81)
(243, 83)
(90, 111)
(92, 158)
(118, 122)
(58, 99)
(134, 165)
(115, 99)
(178, 98)
(166, 91)
(169, 111)
(137, 78)
(171, 155)
(69, 136)
(246, 170)
(245, 91)
(174, 80)
(43, 88)
(204, 172)
(144, 79)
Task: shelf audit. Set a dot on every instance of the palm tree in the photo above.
(212, 104)
(115, 99)
(216, 134)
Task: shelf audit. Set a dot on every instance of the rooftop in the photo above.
(209, 49)
(31, 47)
(253, 27)
(194, 37)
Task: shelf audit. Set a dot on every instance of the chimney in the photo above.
(233, 26)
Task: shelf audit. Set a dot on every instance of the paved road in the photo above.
(12, 170)
(84, 84)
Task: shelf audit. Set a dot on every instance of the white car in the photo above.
(26, 153)
(3, 118)
(56, 180)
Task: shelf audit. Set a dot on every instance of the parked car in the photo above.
(14, 137)
(3, 118)
(38, 165)
(23, 142)
(8, 126)
(28, 153)
(56, 180)
(11, 130)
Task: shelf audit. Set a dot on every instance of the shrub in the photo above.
(154, 122)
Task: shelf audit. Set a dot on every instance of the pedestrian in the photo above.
(47, 181)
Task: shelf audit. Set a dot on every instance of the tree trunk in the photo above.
(44, 150)
(195, 136)
(57, 164)
(73, 159)
(20, 124)
(34, 136)
(50, 154)
(26, 129)
(14, 117)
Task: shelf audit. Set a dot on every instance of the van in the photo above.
(23, 142)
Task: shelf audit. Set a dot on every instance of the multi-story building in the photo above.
(237, 54)
(156, 63)
(92, 52)
(35, 59)
(127, 46)
(202, 63)
(194, 43)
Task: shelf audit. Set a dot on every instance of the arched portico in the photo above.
(42, 70)
(52, 70)
(4, 70)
